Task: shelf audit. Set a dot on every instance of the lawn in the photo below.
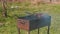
(10, 23)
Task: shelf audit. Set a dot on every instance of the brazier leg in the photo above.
(18, 30)
(38, 30)
(28, 32)
(48, 29)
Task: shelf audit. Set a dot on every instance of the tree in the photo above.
(50, 1)
(4, 8)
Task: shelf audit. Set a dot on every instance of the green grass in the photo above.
(10, 23)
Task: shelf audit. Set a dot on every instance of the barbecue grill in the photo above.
(32, 22)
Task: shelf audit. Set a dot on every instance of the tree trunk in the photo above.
(50, 1)
(4, 8)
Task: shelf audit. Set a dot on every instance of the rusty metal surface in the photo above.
(23, 24)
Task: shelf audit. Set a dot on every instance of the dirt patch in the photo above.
(1, 24)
